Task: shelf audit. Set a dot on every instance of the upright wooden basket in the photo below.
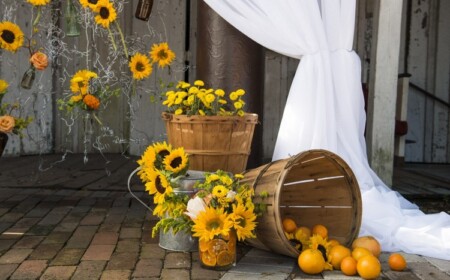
(213, 142)
(313, 187)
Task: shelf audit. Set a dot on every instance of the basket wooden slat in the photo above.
(213, 142)
(313, 187)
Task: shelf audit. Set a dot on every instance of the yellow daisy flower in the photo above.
(3, 86)
(176, 161)
(105, 13)
(161, 54)
(244, 221)
(11, 36)
(211, 222)
(140, 66)
(38, 2)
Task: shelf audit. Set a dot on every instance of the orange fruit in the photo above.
(216, 246)
(289, 225)
(320, 230)
(368, 242)
(348, 266)
(337, 254)
(360, 252)
(207, 258)
(302, 233)
(311, 261)
(225, 258)
(397, 262)
(333, 242)
(368, 267)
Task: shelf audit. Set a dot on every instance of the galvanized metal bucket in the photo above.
(181, 241)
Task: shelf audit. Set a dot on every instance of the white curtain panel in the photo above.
(325, 109)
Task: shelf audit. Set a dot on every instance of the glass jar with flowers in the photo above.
(223, 131)
(222, 212)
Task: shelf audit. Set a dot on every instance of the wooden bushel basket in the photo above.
(313, 187)
(213, 142)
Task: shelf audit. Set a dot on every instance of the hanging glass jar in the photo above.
(3, 141)
(28, 78)
(218, 253)
(72, 27)
(144, 9)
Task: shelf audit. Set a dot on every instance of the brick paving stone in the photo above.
(87, 201)
(152, 251)
(200, 273)
(179, 274)
(54, 217)
(6, 244)
(111, 227)
(58, 272)
(116, 275)
(147, 237)
(30, 269)
(57, 237)
(80, 209)
(121, 202)
(81, 237)
(13, 233)
(26, 222)
(66, 227)
(105, 238)
(27, 205)
(6, 270)
(39, 211)
(15, 256)
(45, 251)
(3, 211)
(41, 229)
(11, 217)
(122, 261)
(28, 242)
(89, 270)
(68, 256)
(98, 253)
(177, 260)
(130, 233)
(114, 218)
(148, 268)
(92, 219)
(128, 245)
(5, 226)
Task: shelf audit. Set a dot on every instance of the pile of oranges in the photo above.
(361, 258)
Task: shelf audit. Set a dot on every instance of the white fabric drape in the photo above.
(325, 109)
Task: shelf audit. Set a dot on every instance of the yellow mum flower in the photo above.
(3, 86)
(11, 36)
(105, 13)
(162, 55)
(76, 98)
(238, 105)
(210, 98)
(219, 191)
(199, 83)
(38, 2)
(140, 66)
(234, 96)
(179, 111)
(220, 92)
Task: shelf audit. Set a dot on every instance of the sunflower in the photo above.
(318, 242)
(162, 149)
(3, 86)
(38, 2)
(105, 13)
(219, 191)
(244, 221)
(162, 55)
(158, 186)
(91, 101)
(176, 161)
(210, 223)
(147, 161)
(80, 81)
(11, 36)
(89, 3)
(140, 66)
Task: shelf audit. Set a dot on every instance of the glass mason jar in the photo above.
(218, 253)
(28, 78)
(71, 16)
(143, 9)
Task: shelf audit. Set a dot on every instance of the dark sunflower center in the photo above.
(162, 54)
(8, 36)
(176, 162)
(104, 12)
(140, 67)
(159, 187)
(163, 153)
(241, 222)
(323, 251)
(297, 244)
(213, 224)
(94, 2)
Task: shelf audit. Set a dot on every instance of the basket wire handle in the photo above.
(132, 194)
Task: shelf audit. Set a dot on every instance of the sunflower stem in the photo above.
(112, 39)
(38, 17)
(97, 119)
(122, 38)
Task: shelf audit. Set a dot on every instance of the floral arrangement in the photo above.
(187, 99)
(8, 122)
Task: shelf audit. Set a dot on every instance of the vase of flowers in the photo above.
(211, 125)
(222, 213)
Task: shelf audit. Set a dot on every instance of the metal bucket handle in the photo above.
(132, 194)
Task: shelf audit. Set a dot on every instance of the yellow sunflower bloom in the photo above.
(38, 2)
(244, 221)
(80, 81)
(162, 149)
(11, 36)
(162, 55)
(158, 186)
(3, 86)
(219, 191)
(76, 98)
(318, 242)
(105, 13)
(176, 161)
(211, 222)
(92, 4)
(140, 66)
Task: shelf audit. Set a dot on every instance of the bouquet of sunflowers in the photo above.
(187, 99)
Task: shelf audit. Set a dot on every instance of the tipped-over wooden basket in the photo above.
(213, 142)
(313, 187)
